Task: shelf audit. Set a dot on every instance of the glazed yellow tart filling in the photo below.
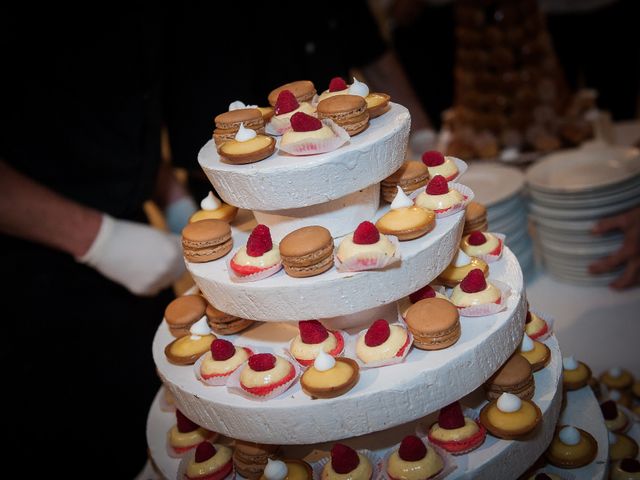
(469, 429)
(222, 212)
(514, 420)
(348, 249)
(219, 460)
(388, 349)
(191, 345)
(267, 259)
(210, 366)
(234, 147)
(250, 378)
(456, 274)
(536, 355)
(473, 250)
(617, 423)
(460, 298)
(568, 452)
(406, 218)
(181, 440)
(363, 471)
(309, 351)
(338, 375)
(575, 375)
(373, 100)
(439, 202)
(448, 169)
(296, 471)
(402, 470)
(322, 133)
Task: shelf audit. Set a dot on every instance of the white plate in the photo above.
(611, 197)
(583, 214)
(514, 205)
(564, 225)
(492, 183)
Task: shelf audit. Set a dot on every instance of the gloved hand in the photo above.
(177, 213)
(139, 257)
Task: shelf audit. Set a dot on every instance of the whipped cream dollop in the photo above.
(245, 134)
(569, 435)
(401, 200)
(615, 395)
(569, 363)
(275, 470)
(324, 362)
(615, 372)
(509, 154)
(613, 438)
(238, 105)
(527, 344)
(200, 328)
(210, 202)
(509, 403)
(461, 259)
(358, 88)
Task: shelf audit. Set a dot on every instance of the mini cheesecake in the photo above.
(223, 359)
(535, 326)
(186, 435)
(312, 339)
(481, 243)
(475, 290)
(263, 373)
(438, 164)
(382, 342)
(346, 464)
(456, 433)
(413, 461)
(438, 196)
(211, 462)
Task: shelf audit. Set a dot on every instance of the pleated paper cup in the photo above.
(220, 380)
(494, 257)
(351, 350)
(312, 146)
(488, 308)
(338, 333)
(549, 320)
(254, 277)
(467, 195)
(369, 261)
(462, 167)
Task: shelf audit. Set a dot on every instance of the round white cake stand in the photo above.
(285, 181)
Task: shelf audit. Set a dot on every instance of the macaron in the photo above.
(303, 90)
(228, 123)
(224, 323)
(183, 312)
(409, 177)
(307, 251)
(475, 218)
(515, 376)
(206, 240)
(348, 111)
(434, 323)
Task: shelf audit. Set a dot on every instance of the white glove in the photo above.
(422, 140)
(177, 213)
(139, 257)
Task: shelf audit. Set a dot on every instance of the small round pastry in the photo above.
(337, 86)
(330, 377)
(434, 324)
(625, 469)
(288, 105)
(621, 446)
(222, 359)
(475, 218)
(258, 255)
(212, 207)
(404, 220)
(535, 326)
(382, 342)
(225, 324)
(228, 123)
(409, 177)
(460, 267)
(303, 90)
(377, 104)
(413, 461)
(309, 132)
(250, 459)
(510, 417)
(185, 435)
(186, 350)
(247, 147)
(617, 378)
(212, 461)
(438, 196)
(438, 164)
(478, 243)
(264, 372)
(621, 397)
(515, 376)
(456, 433)
(346, 464)
(348, 111)
(614, 418)
(307, 251)
(575, 374)
(367, 244)
(313, 339)
(183, 312)
(571, 447)
(288, 469)
(475, 290)
(536, 353)
(206, 240)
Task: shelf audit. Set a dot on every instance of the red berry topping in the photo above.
(261, 362)
(609, 410)
(630, 465)
(377, 333)
(473, 282)
(259, 241)
(528, 318)
(286, 102)
(337, 84)
(366, 234)
(343, 459)
(184, 424)
(451, 416)
(425, 292)
(204, 451)
(301, 122)
(477, 238)
(222, 349)
(312, 331)
(432, 158)
(438, 186)
(412, 449)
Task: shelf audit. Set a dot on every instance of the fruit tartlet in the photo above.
(456, 433)
(438, 164)
(510, 417)
(310, 136)
(571, 447)
(413, 461)
(285, 108)
(483, 245)
(329, 377)
(535, 326)
(475, 296)
(186, 435)
(536, 353)
(212, 207)
(460, 267)
(575, 374)
(443, 198)
(621, 446)
(382, 344)
(312, 339)
(210, 461)
(265, 376)
(186, 350)
(223, 358)
(346, 464)
(404, 220)
(247, 147)
(258, 259)
(288, 469)
(366, 249)
(617, 378)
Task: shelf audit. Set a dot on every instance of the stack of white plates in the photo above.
(500, 188)
(570, 191)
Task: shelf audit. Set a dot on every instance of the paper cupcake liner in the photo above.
(164, 405)
(490, 258)
(466, 192)
(220, 380)
(351, 352)
(174, 454)
(375, 458)
(182, 468)
(466, 412)
(461, 165)
(254, 277)
(404, 303)
(490, 308)
(277, 126)
(342, 333)
(449, 464)
(314, 146)
(370, 261)
(549, 320)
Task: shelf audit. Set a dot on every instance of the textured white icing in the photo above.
(324, 362)
(527, 344)
(245, 134)
(569, 435)
(401, 200)
(509, 403)
(275, 470)
(461, 259)
(358, 88)
(210, 202)
(569, 363)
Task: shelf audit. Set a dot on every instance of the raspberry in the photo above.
(473, 282)
(451, 417)
(609, 410)
(528, 318)
(432, 158)
(204, 451)
(259, 241)
(337, 84)
(222, 349)
(286, 102)
(344, 459)
(301, 122)
(366, 234)
(312, 331)
(261, 362)
(425, 292)
(412, 449)
(184, 424)
(477, 238)
(438, 186)
(630, 465)
(377, 333)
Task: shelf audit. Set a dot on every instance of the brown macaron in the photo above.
(303, 90)
(434, 323)
(475, 218)
(183, 312)
(228, 123)
(225, 324)
(250, 459)
(515, 377)
(206, 240)
(348, 111)
(409, 177)
(307, 251)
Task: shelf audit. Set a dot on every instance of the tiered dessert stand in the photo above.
(339, 190)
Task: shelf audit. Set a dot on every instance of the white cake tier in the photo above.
(330, 294)
(494, 459)
(284, 181)
(384, 397)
